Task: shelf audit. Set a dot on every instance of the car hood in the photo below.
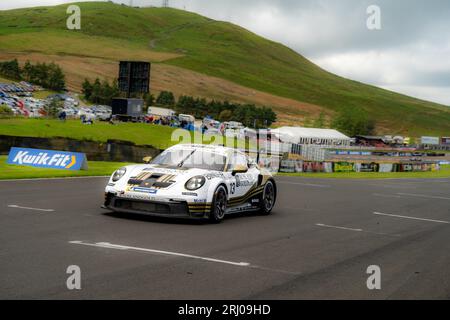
(155, 176)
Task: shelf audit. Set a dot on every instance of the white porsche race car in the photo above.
(192, 181)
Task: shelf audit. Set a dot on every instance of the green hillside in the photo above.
(214, 48)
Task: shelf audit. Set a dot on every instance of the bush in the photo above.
(225, 115)
(165, 98)
(5, 111)
(53, 108)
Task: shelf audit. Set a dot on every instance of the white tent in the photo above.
(299, 135)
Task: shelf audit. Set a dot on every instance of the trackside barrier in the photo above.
(298, 166)
(49, 159)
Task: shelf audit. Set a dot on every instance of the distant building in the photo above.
(311, 136)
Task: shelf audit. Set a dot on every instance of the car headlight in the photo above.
(195, 183)
(119, 174)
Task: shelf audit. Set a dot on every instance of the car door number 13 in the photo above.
(233, 188)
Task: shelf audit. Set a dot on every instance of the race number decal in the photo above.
(232, 188)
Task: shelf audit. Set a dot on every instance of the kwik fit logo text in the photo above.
(47, 159)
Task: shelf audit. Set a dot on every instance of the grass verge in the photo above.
(96, 168)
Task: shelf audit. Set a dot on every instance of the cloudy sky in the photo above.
(410, 54)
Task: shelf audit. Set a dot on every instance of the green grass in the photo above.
(443, 173)
(140, 133)
(96, 168)
(43, 94)
(214, 48)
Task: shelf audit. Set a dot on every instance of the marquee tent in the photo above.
(311, 136)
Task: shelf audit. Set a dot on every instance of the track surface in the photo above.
(319, 242)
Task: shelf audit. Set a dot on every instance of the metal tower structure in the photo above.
(165, 3)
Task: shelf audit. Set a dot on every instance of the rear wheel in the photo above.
(269, 197)
(219, 205)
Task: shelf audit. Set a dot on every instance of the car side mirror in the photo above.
(239, 169)
(147, 160)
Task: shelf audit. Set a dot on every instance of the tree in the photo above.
(248, 114)
(49, 76)
(27, 70)
(353, 122)
(40, 74)
(52, 109)
(165, 98)
(106, 92)
(56, 78)
(100, 91)
(115, 92)
(268, 116)
(96, 91)
(149, 100)
(10, 69)
(86, 89)
(225, 115)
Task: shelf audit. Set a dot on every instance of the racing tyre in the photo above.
(219, 205)
(268, 199)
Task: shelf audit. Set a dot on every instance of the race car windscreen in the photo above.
(190, 159)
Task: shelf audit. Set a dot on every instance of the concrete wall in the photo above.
(113, 150)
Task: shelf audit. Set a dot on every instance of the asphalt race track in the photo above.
(318, 244)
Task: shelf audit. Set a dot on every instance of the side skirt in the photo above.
(251, 205)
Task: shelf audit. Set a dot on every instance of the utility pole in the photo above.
(165, 3)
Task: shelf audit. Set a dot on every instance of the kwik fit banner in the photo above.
(47, 159)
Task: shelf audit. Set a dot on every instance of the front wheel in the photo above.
(219, 205)
(269, 197)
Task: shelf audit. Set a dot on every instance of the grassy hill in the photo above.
(200, 56)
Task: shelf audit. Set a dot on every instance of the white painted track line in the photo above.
(29, 208)
(412, 218)
(304, 184)
(386, 195)
(423, 196)
(120, 247)
(337, 227)
(355, 230)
